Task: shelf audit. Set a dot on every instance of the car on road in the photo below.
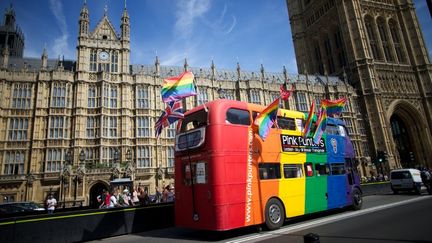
(19, 207)
(406, 180)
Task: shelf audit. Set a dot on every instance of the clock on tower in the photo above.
(103, 55)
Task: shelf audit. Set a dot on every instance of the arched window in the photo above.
(254, 96)
(21, 96)
(58, 95)
(394, 31)
(93, 60)
(372, 38)
(114, 62)
(54, 160)
(14, 163)
(385, 40)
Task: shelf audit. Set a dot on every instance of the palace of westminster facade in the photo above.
(70, 127)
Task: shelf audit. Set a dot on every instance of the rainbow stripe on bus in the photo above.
(227, 177)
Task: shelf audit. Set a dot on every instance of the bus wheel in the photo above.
(357, 199)
(274, 214)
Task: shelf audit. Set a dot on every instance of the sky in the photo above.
(248, 32)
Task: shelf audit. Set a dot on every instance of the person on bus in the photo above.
(195, 124)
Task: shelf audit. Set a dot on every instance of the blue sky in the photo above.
(251, 32)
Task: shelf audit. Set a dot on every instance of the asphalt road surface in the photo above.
(384, 218)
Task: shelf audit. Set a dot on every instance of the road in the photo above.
(384, 218)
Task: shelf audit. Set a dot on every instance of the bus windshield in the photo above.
(194, 120)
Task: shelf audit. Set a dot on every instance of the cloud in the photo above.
(227, 27)
(60, 46)
(187, 12)
(222, 25)
(195, 22)
(233, 24)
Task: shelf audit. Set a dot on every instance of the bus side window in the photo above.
(293, 171)
(286, 123)
(342, 130)
(332, 129)
(236, 116)
(309, 169)
(337, 169)
(321, 169)
(269, 171)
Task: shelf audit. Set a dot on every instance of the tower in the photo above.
(11, 35)
(125, 38)
(103, 49)
(380, 46)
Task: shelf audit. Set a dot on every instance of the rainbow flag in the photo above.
(321, 125)
(267, 118)
(308, 123)
(334, 107)
(177, 88)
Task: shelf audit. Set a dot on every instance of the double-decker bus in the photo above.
(227, 177)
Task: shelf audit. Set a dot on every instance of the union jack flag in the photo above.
(172, 113)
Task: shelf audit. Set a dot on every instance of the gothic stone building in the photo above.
(72, 127)
(379, 44)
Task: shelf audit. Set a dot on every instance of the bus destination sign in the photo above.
(299, 144)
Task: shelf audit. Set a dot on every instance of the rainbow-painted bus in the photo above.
(227, 177)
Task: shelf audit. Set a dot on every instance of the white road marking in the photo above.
(326, 220)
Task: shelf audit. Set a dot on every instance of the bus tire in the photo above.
(274, 214)
(357, 199)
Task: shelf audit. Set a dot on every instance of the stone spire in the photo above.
(125, 24)
(84, 21)
(213, 69)
(186, 65)
(238, 71)
(44, 59)
(157, 66)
